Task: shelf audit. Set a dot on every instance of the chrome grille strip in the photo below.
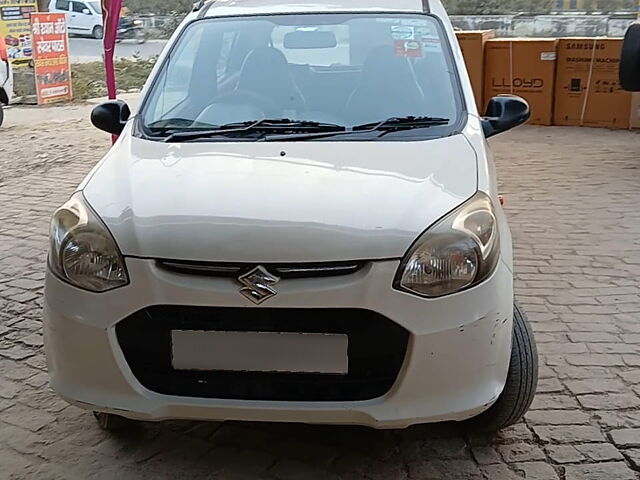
(301, 270)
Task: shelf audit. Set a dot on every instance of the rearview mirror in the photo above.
(630, 60)
(307, 39)
(86, 11)
(111, 116)
(504, 113)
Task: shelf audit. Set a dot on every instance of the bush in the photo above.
(89, 78)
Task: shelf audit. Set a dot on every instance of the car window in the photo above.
(78, 7)
(62, 5)
(175, 78)
(228, 41)
(343, 69)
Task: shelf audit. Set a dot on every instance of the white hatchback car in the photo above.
(300, 224)
(84, 17)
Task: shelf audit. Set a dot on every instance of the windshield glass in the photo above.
(95, 6)
(346, 70)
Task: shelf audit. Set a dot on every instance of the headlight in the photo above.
(458, 252)
(83, 252)
(137, 22)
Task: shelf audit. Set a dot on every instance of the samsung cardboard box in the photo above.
(472, 43)
(588, 92)
(524, 67)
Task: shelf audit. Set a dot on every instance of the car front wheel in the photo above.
(522, 380)
(1, 115)
(98, 32)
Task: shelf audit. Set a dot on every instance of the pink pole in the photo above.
(110, 19)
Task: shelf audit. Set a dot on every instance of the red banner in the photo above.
(51, 57)
(110, 19)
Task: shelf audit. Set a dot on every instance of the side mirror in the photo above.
(86, 11)
(504, 113)
(630, 59)
(111, 116)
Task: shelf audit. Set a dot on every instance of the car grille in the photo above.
(377, 348)
(284, 271)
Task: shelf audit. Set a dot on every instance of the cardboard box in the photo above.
(472, 44)
(635, 111)
(587, 86)
(523, 67)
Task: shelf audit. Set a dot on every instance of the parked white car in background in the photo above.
(300, 224)
(83, 17)
(6, 79)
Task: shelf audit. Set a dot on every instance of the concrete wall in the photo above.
(545, 25)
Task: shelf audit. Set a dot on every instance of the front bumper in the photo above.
(455, 366)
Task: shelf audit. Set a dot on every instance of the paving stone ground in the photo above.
(572, 200)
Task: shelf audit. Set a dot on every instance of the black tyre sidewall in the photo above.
(629, 60)
(522, 380)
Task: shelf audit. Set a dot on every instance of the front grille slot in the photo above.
(377, 348)
(284, 271)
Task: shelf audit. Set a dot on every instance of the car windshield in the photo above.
(311, 72)
(95, 6)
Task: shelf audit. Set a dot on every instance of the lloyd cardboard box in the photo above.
(472, 44)
(587, 88)
(523, 67)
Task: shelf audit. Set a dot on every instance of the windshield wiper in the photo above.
(266, 125)
(396, 124)
(393, 124)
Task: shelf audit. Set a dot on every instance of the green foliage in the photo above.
(173, 22)
(89, 78)
(484, 7)
(159, 7)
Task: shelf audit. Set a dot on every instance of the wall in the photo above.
(545, 25)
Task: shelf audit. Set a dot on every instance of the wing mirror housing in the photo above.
(504, 113)
(111, 116)
(630, 60)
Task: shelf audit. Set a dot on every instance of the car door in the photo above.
(63, 6)
(81, 21)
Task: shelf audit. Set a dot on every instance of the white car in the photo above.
(300, 224)
(6, 79)
(83, 17)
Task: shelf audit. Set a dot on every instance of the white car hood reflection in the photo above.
(278, 202)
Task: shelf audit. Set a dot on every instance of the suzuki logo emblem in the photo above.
(257, 285)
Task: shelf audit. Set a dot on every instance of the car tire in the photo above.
(110, 422)
(629, 60)
(1, 115)
(522, 380)
(98, 32)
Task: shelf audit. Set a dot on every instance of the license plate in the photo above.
(260, 352)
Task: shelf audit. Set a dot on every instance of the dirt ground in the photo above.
(572, 200)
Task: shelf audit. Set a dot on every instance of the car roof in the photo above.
(220, 8)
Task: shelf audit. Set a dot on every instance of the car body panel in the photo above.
(455, 367)
(278, 202)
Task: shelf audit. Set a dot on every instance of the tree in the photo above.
(160, 7)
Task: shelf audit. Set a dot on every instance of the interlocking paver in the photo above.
(571, 197)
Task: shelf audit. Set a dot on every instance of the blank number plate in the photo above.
(260, 352)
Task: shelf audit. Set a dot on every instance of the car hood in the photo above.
(278, 202)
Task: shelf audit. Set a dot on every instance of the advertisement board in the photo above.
(51, 57)
(15, 28)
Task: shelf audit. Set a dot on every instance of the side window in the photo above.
(79, 7)
(62, 5)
